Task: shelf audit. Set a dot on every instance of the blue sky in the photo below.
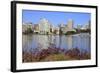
(54, 17)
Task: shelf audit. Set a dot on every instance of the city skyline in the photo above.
(54, 17)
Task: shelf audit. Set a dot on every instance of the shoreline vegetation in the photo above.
(54, 54)
(30, 31)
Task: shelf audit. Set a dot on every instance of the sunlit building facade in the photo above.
(44, 26)
(67, 27)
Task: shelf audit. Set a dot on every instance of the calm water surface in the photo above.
(81, 41)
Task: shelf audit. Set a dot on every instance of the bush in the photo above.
(28, 31)
(70, 32)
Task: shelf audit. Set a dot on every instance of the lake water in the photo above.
(81, 41)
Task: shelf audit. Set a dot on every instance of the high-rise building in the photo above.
(86, 26)
(44, 26)
(70, 25)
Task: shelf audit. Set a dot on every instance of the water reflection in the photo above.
(81, 41)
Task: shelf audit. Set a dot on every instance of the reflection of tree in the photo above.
(51, 41)
(65, 42)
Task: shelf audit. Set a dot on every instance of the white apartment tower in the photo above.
(70, 25)
(44, 26)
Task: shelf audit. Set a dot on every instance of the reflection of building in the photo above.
(44, 26)
(69, 42)
(43, 42)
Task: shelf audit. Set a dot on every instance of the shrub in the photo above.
(70, 32)
(55, 54)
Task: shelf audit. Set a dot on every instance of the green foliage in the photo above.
(28, 31)
(70, 32)
(83, 30)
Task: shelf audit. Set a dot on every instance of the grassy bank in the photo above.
(55, 54)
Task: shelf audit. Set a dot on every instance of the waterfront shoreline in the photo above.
(58, 34)
(55, 54)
